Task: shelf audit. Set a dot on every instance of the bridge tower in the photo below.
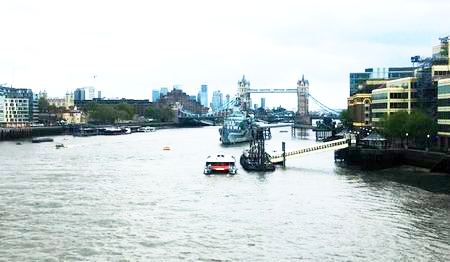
(244, 94)
(303, 102)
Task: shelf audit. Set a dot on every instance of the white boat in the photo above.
(146, 129)
(225, 164)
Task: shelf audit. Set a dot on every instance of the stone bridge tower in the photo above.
(303, 101)
(244, 94)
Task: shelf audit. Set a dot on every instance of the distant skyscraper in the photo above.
(91, 93)
(163, 91)
(99, 94)
(193, 98)
(178, 87)
(217, 101)
(79, 94)
(155, 95)
(263, 102)
(204, 95)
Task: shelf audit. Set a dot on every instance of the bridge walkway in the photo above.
(316, 148)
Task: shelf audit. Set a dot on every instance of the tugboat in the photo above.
(224, 164)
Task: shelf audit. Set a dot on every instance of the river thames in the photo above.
(124, 198)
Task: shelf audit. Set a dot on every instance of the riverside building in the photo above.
(443, 113)
(359, 106)
(16, 107)
(358, 80)
(398, 95)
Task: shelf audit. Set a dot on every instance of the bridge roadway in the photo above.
(316, 148)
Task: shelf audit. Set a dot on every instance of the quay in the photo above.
(28, 132)
(375, 159)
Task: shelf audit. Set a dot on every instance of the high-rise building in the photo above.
(178, 87)
(86, 93)
(79, 94)
(91, 93)
(204, 95)
(163, 91)
(263, 102)
(227, 101)
(217, 101)
(155, 95)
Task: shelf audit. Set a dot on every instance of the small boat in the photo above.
(220, 164)
(59, 146)
(18, 143)
(166, 148)
(146, 129)
(41, 139)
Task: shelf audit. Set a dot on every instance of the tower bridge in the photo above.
(243, 100)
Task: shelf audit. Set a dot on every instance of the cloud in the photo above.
(135, 46)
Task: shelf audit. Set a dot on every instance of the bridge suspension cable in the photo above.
(323, 106)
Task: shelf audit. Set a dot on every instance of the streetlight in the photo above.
(428, 142)
(406, 140)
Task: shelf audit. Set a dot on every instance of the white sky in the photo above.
(136, 46)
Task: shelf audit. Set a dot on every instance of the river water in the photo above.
(124, 198)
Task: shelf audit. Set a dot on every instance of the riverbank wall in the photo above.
(372, 159)
(28, 132)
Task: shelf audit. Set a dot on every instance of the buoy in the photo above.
(166, 148)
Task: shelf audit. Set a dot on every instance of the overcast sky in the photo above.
(135, 46)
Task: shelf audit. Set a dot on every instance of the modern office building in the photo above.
(443, 113)
(86, 93)
(16, 107)
(263, 102)
(217, 101)
(398, 95)
(155, 95)
(357, 80)
(79, 94)
(359, 108)
(203, 94)
(163, 91)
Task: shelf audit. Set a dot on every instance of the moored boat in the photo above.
(41, 139)
(224, 164)
(237, 128)
(146, 129)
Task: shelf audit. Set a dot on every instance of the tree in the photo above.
(43, 105)
(417, 125)
(125, 111)
(161, 114)
(346, 118)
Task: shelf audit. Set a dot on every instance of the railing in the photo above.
(326, 146)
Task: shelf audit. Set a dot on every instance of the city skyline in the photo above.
(58, 46)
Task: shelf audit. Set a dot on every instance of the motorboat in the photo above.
(59, 146)
(224, 164)
(146, 129)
